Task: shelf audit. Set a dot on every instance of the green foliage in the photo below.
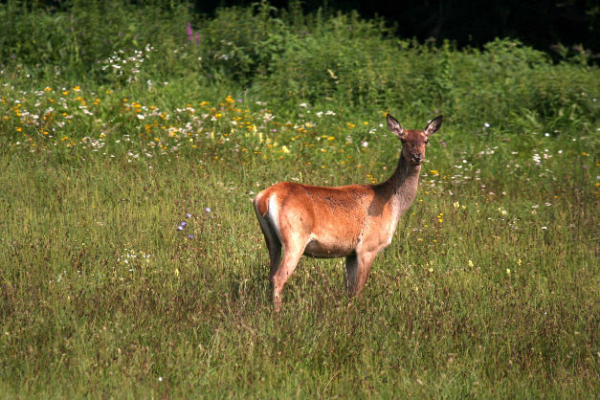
(73, 42)
(239, 43)
(112, 135)
(291, 58)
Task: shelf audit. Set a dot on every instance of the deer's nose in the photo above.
(418, 157)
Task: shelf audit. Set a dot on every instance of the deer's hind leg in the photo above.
(294, 231)
(273, 243)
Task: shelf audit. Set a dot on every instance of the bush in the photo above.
(288, 58)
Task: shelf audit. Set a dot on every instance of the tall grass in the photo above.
(131, 263)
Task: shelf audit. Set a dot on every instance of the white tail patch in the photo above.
(273, 215)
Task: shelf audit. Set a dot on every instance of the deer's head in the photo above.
(414, 141)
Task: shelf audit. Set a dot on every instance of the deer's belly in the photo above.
(328, 248)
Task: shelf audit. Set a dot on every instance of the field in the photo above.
(131, 262)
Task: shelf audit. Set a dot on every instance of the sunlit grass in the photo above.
(132, 260)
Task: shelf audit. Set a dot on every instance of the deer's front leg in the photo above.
(351, 274)
(358, 267)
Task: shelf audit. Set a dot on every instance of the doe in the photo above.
(354, 221)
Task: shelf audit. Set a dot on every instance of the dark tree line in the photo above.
(539, 23)
(542, 24)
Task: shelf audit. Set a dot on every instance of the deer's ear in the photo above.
(395, 127)
(434, 126)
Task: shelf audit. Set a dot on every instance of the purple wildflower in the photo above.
(190, 32)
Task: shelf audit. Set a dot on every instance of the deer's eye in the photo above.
(426, 141)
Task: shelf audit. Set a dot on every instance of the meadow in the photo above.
(133, 138)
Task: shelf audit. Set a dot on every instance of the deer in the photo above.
(354, 221)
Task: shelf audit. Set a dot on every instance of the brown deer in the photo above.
(355, 221)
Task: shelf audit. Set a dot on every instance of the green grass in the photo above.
(102, 295)
(489, 289)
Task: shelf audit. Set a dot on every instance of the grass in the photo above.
(489, 289)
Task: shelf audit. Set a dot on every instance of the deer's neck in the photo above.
(402, 185)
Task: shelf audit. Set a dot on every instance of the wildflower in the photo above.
(207, 210)
(508, 271)
(456, 204)
(190, 32)
(188, 215)
(471, 264)
(486, 125)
